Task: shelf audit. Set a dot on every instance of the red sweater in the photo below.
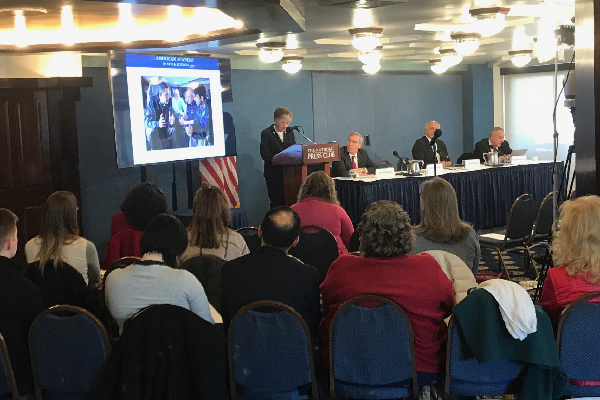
(560, 290)
(415, 282)
(314, 211)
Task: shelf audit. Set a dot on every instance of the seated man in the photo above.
(271, 274)
(20, 303)
(495, 142)
(352, 158)
(422, 150)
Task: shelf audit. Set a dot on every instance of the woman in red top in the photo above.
(576, 248)
(385, 267)
(318, 205)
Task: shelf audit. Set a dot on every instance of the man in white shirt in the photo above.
(422, 149)
(353, 158)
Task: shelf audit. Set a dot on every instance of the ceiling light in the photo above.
(270, 52)
(438, 66)
(450, 57)
(292, 64)
(545, 47)
(126, 22)
(20, 29)
(489, 21)
(465, 44)
(68, 29)
(520, 58)
(370, 57)
(365, 39)
(371, 68)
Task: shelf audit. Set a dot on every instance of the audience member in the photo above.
(154, 279)
(209, 232)
(495, 143)
(422, 150)
(271, 274)
(318, 205)
(59, 239)
(353, 158)
(441, 227)
(20, 303)
(415, 282)
(576, 250)
(143, 202)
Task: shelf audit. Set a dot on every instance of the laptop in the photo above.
(519, 152)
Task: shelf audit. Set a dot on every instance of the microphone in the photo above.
(402, 162)
(298, 128)
(436, 135)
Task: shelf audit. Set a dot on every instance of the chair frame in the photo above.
(318, 228)
(498, 250)
(283, 307)
(74, 310)
(567, 311)
(379, 299)
(9, 371)
(386, 163)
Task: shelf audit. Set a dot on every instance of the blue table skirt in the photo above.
(484, 196)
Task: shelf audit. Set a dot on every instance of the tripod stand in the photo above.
(564, 191)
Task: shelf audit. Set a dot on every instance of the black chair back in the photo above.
(68, 346)
(250, 235)
(7, 378)
(207, 269)
(384, 164)
(316, 247)
(270, 353)
(521, 217)
(543, 222)
(466, 156)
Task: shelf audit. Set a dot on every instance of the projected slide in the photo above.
(174, 109)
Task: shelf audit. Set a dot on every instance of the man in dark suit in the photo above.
(495, 142)
(271, 274)
(274, 140)
(423, 151)
(20, 303)
(353, 158)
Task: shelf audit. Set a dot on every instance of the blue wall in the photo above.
(392, 108)
(478, 104)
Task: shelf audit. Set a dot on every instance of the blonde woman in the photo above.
(209, 233)
(576, 250)
(318, 205)
(59, 239)
(441, 228)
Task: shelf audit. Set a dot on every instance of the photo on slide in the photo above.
(177, 112)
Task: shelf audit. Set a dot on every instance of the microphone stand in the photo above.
(299, 130)
(432, 144)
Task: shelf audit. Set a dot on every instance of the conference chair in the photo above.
(8, 385)
(317, 247)
(250, 235)
(465, 376)
(518, 230)
(543, 223)
(68, 346)
(371, 350)
(207, 269)
(165, 352)
(354, 242)
(466, 156)
(270, 354)
(384, 164)
(577, 339)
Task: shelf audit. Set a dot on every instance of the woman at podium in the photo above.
(273, 140)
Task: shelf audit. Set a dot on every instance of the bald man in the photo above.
(495, 142)
(423, 151)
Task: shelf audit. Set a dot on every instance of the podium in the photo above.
(295, 160)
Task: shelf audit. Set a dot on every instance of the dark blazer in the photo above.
(270, 274)
(422, 151)
(344, 165)
(20, 303)
(483, 146)
(271, 145)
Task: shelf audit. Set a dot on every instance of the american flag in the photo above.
(222, 172)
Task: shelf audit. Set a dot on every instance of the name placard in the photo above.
(516, 159)
(381, 173)
(439, 170)
(471, 164)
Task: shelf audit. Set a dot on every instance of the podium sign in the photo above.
(295, 160)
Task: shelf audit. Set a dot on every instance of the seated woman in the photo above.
(318, 205)
(59, 239)
(415, 282)
(143, 202)
(576, 249)
(209, 233)
(441, 227)
(154, 279)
